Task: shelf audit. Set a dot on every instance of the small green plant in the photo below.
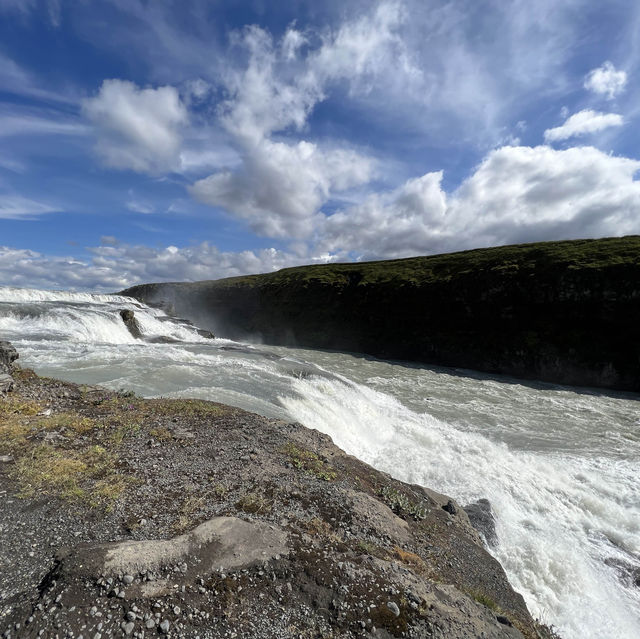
(190, 506)
(125, 431)
(402, 505)
(310, 463)
(163, 434)
(485, 600)
(253, 503)
(372, 549)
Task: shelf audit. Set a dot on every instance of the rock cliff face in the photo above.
(564, 312)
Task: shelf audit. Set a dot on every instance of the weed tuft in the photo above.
(402, 505)
(310, 463)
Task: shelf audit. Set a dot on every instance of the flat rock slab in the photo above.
(220, 543)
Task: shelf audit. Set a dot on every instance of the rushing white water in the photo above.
(560, 466)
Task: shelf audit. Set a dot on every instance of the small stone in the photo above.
(393, 606)
(128, 627)
(504, 620)
(131, 616)
(120, 595)
(93, 611)
(176, 610)
(128, 579)
(150, 624)
(164, 626)
(450, 507)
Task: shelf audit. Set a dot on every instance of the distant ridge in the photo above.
(565, 312)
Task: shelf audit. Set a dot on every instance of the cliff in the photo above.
(130, 517)
(563, 312)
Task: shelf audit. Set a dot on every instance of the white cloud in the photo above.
(138, 206)
(23, 6)
(114, 266)
(138, 129)
(517, 194)
(606, 80)
(39, 122)
(280, 187)
(407, 221)
(15, 79)
(16, 207)
(582, 123)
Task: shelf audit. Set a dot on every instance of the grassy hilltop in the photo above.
(557, 311)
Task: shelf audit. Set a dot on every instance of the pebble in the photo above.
(128, 579)
(128, 627)
(176, 610)
(150, 624)
(393, 606)
(164, 626)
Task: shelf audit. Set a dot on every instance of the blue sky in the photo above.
(147, 141)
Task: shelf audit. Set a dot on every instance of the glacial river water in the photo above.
(560, 465)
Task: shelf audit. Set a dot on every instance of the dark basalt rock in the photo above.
(628, 573)
(450, 507)
(130, 321)
(481, 517)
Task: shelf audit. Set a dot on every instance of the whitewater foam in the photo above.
(559, 517)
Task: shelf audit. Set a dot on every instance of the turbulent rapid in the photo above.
(560, 466)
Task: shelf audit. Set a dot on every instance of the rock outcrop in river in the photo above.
(564, 312)
(183, 518)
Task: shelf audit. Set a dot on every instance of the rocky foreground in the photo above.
(122, 517)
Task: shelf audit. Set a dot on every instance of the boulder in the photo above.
(130, 321)
(481, 517)
(8, 355)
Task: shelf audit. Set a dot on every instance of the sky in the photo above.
(195, 139)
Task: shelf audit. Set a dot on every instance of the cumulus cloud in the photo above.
(138, 129)
(606, 80)
(280, 186)
(582, 123)
(407, 221)
(114, 266)
(517, 194)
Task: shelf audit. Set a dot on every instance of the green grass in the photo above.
(419, 271)
(310, 463)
